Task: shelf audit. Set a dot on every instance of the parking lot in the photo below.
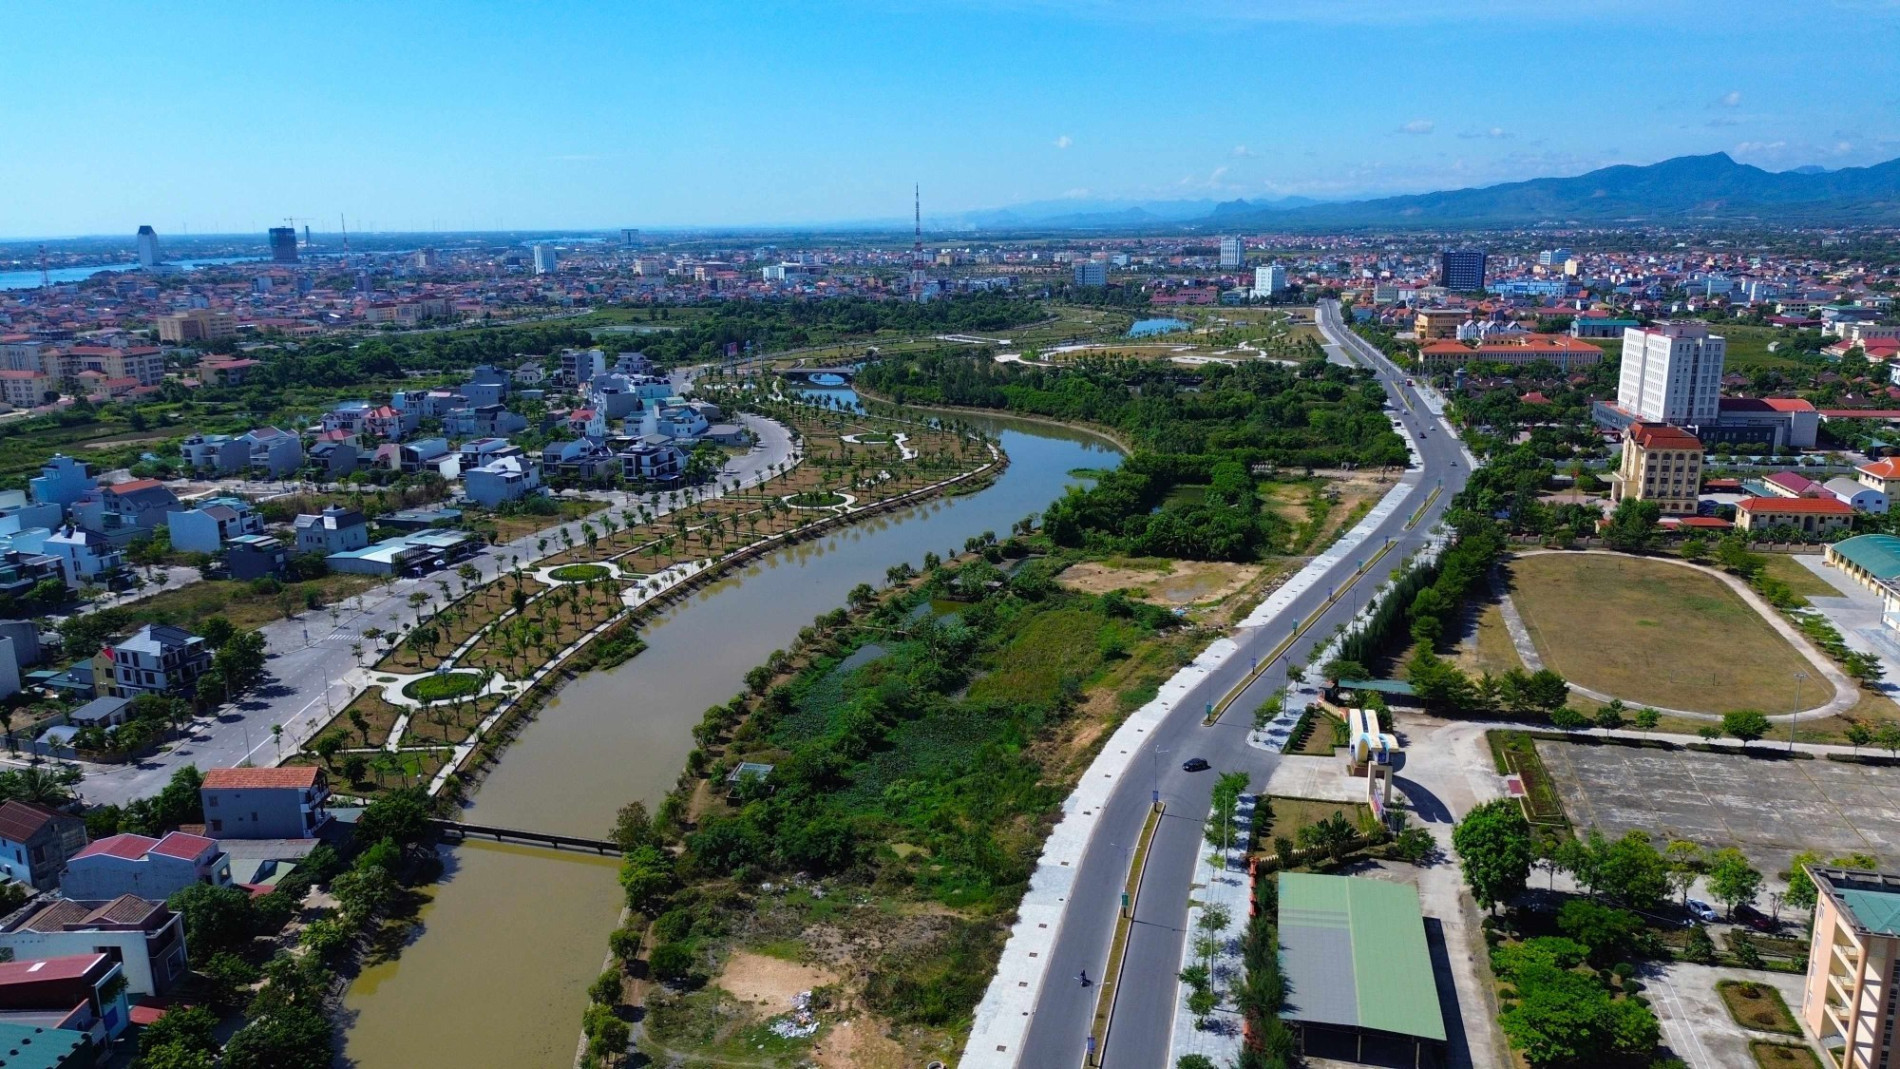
(1770, 808)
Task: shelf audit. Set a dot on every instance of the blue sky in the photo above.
(474, 115)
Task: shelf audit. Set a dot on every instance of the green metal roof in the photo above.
(1877, 911)
(1382, 686)
(26, 1046)
(1353, 951)
(1877, 554)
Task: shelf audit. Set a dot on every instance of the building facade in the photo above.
(1672, 373)
(265, 803)
(1660, 464)
(1461, 270)
(1808, 515)
(1848, 999)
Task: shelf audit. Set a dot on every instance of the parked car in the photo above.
(1194, 764)
(1702, 910)
(1755, 918)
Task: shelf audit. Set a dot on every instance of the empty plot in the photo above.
(1653, 633)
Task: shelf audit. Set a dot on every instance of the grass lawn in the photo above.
(579, 573)
(1653, 633)
(1289, 815)
(1757, 1006)
(438, 687)
(1771, 1055)
(188, 606)
(1786, 568)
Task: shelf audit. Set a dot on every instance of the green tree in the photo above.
(1632, 526)
(1858, 735)
(1746, 725)
(1646, 719)
(1801, 889)
(219, 919)
(1732, 880)
(400, 816)
(1495, 850)
(291, 1037)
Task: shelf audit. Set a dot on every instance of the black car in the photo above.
(1194, 764)
(1755, 918)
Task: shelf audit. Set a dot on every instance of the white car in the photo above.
(1702, 910)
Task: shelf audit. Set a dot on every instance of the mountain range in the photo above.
(1685, 189)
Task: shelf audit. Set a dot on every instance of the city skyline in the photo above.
(462, 119)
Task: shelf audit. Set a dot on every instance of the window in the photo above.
(217, 825)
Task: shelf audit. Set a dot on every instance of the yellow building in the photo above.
(1847, 1002)
(1661, 464)
(197, 324)
(1433, 324)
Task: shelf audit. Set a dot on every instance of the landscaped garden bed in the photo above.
(443, 686)
(1756, 1005)
(1770, 1055)
(580, 573)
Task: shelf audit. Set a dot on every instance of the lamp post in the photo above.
(1154, 765)
(1799, 678)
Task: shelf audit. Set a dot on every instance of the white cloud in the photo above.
(1495, 133)
(1418, 126)
(1063, 142)
(1760, 146)
(1731, 99)
(1242, 152)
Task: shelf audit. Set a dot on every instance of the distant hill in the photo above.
(1684, 189)
(1083, 213)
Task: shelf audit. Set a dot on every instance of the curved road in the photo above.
(1143, 1028)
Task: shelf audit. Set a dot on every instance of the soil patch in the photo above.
(770, 982)
(1186, 583)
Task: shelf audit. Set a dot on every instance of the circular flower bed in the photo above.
(580, 573)
(441, 687)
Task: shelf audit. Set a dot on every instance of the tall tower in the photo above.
(917, 245)
(148, 247)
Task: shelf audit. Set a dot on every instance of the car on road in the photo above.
(1194, 764)
(1702, 910)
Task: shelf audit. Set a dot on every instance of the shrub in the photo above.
(442, 686)
(671, 961)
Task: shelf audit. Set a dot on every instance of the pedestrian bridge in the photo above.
(457, 831)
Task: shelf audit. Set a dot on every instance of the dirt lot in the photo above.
(1170, 583)
(770, 983)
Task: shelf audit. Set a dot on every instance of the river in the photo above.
(498, 973)
(26, 280)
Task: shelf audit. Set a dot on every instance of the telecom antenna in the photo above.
(46, 280)
(917, 245)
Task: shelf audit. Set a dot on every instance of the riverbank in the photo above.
(1108, 434)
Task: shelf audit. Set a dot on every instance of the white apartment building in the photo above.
(1269, 280)
(1672, 373)
(1233, 253)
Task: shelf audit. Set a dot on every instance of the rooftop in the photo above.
(1876, 554)
(1812, 506)
(1353, 950)
(1870, 899)
(240, 779)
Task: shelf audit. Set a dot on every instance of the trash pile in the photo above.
(801, 1023)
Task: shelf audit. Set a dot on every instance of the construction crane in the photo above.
(46, 280)
(292, 221)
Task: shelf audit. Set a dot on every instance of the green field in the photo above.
(1654, 633)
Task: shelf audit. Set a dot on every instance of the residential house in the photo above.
(334, 530)
(1859, 497)
(255, 556)
(265, 803)
(347, 416)
(578, 366)
(125, 511)
(651, 461)
(330, 460)
(480, 451)
(208, 527)
(54, 1010)
(425, 454)
(147, 938)
(150, 868)
(17, 515)
(503, 478)
(36, 840)
(486, 385)
(388, 422)
(226, 371)
(1809, 515)
(21, 571)
(272, 453)
(486, 420)
(101, 713)
(86, 557)
(61, 481)
(219, 453)
(585, 459)
(158, 659)
(1882, 475)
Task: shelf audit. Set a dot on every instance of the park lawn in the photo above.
(1758, 1006)
(1748, 349)
(1289, 815)
(1488, 648)
(1653, 633)
(1785, 567)
(379, 714)
(1048, 649)
(1772, 1055)
(507, 528)
(189, 606)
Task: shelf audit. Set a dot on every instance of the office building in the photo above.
(1269, 280)
(196, 324)
(1233, 253)
(544, 259)
(1661, 464)
(1461, 270)
(1091, 273)
(1847, 1001)
(1553, 257)
(629, 236)
(283, 244)
(1672, 373)
(148, 247)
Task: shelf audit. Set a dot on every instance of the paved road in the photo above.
(1144, 1016)
(315, 672)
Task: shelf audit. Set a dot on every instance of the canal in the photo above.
(497, 973)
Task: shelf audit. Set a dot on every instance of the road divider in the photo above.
(1118, 947)
(1219, 708)
(1420, 514)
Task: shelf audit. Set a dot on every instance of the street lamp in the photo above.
(1154, 763)
(1799, 678)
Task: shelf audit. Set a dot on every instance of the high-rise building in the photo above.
(1268, 280)
(544, 259)
(629, 236)
(1672, 373)
(1233, 253)
(148, 247)
(283, 244)
(1553, 257)
(1091, 273)
(1853, 963)
(1461, 270)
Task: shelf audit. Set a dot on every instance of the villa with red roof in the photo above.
(1809, 515)
(265, 803)
(139, 865)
